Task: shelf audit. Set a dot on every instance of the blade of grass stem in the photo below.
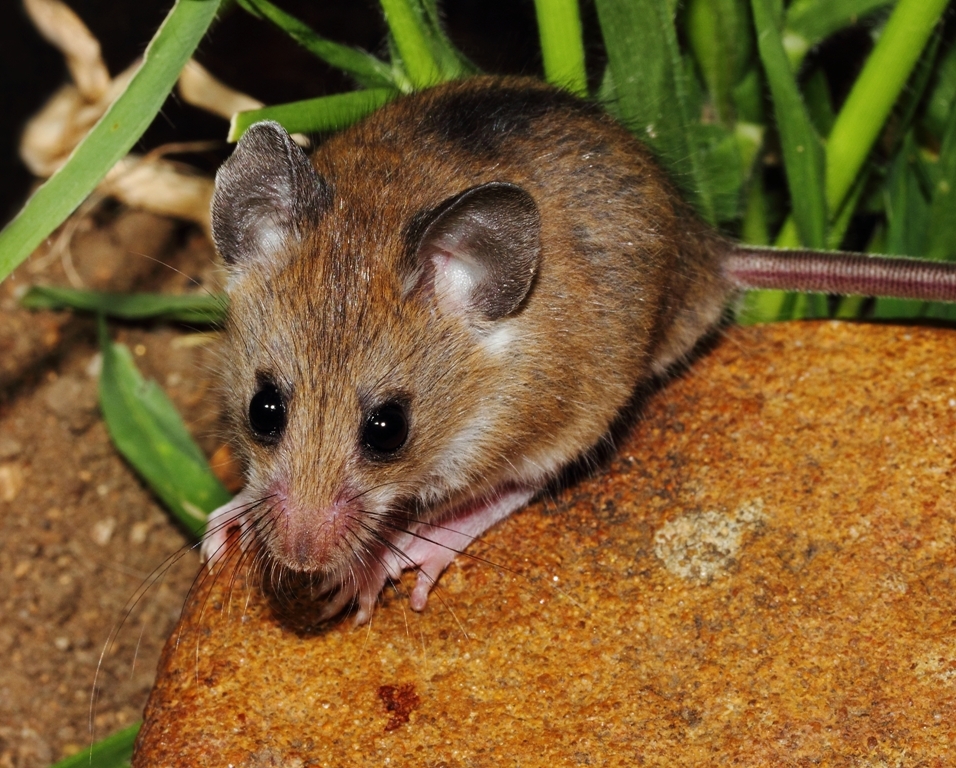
(451, 62)
(863, 115)
(112, 752)
(326, 113)
(651, 93)
(413, 40)
(814, 20)
(203, 308)
(876, 90)
(941, 240)
(562, 45)
(802, 151)
(943, 93)
(148, 432)
(720, 35)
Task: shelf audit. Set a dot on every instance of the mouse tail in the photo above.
(840, 273)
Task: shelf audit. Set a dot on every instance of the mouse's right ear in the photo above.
(267, 195)
(478, 252)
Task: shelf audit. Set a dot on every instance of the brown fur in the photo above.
(628, 280)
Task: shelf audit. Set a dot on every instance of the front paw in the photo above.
(223, 524)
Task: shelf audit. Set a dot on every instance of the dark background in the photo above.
(498, 35)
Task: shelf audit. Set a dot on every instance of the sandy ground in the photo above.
(80, 538)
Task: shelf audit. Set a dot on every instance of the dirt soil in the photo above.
(91, 567)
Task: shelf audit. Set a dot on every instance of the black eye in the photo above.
(386, 428)
(267, 413)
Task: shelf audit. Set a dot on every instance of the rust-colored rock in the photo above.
(764, 575)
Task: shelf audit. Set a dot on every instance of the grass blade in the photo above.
(941, 239)
(451, 62)
(651, 93)
(804, 162)
(721, 38)
(113, 136)
(562, 45)
(149, 433)
(367, 70)
(907, 219)
(875, 92)
(920, 209)
(204, 309)
(409, 29)
(943, 93)
(802, 151)
(326, 113)
(112, 752)
(863, 116)
(814, 20)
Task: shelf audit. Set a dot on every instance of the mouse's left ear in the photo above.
(267, 196)
(480, 250)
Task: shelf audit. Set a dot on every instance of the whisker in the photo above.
(178, 271)
(390, 522)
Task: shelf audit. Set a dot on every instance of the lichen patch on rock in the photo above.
(704, 545)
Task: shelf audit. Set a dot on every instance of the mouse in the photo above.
(446, 305)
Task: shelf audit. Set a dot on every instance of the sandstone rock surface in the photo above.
(764, 574)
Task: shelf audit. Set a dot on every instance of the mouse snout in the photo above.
(312, 536)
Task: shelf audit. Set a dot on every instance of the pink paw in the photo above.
(430, 548)
(221, 525)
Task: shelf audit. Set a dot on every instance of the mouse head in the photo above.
(368, 342)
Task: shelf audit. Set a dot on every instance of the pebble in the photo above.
(103, 531)
(11, 481)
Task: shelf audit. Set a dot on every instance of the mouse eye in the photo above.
(385, 429)
(267, 413)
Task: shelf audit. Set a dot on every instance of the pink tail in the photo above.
(841, 273)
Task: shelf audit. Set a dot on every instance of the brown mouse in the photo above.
(443, 307)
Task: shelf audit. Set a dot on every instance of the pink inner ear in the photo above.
(481, 250)
(456, 279)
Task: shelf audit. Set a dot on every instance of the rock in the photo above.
(765, 574)
(72, 399)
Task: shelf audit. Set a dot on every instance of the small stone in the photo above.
(139, 533)
(94, 366)
(11, 481)
(103, 531)
(73, 400)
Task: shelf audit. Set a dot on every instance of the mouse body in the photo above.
(434, 314)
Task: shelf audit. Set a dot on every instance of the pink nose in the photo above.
(307, 538)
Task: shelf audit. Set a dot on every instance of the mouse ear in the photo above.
(267, 193)
(481, 249)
